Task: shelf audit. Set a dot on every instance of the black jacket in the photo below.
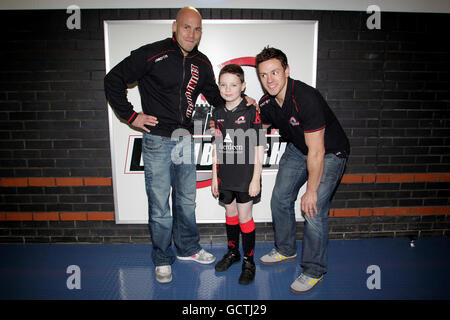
(168, 83)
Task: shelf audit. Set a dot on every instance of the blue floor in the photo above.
(125, 271)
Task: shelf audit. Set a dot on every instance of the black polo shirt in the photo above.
(237, 132)
(304, 110)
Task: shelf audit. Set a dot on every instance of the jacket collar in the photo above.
(241, 105)
(290, 88)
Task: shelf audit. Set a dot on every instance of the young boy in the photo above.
(237, 166)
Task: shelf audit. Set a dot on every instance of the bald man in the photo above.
(171, 73)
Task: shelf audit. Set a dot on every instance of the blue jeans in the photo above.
(292, 174)
(169, 167)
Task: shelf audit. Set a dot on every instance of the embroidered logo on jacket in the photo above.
(161, 58)
(261, 104)
(294, 122)
(190, 89)
(240, 120)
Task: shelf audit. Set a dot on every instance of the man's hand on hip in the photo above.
(144, 119)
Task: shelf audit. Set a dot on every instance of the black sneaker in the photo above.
(228, 259)
(248, 272)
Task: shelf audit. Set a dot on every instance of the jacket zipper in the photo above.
(181, 89)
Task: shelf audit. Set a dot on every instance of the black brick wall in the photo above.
(108, 232)
(390, 88)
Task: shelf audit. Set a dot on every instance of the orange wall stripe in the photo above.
(18, 216)
(73, 182)
(97, 181)
(14, 182)
(60, 182)
(109, 216)
(41, 182)
(56, 216)
(46, 216)
(107, 181)
(395, 177)
(399, 211)
(101, 216)
(73, 216)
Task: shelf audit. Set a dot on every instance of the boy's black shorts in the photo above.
(227, 197)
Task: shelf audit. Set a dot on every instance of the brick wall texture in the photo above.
(390, 88)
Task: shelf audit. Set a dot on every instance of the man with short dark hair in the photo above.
(316, 153)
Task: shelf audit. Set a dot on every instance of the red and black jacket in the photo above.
(169, 84)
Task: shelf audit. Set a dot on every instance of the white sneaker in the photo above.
(304, 283)
(202, 257)
(274, 257)
(163, 274)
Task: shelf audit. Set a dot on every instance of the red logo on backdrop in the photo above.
(244, 61)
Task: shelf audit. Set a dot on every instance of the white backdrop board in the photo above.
(223, 41)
